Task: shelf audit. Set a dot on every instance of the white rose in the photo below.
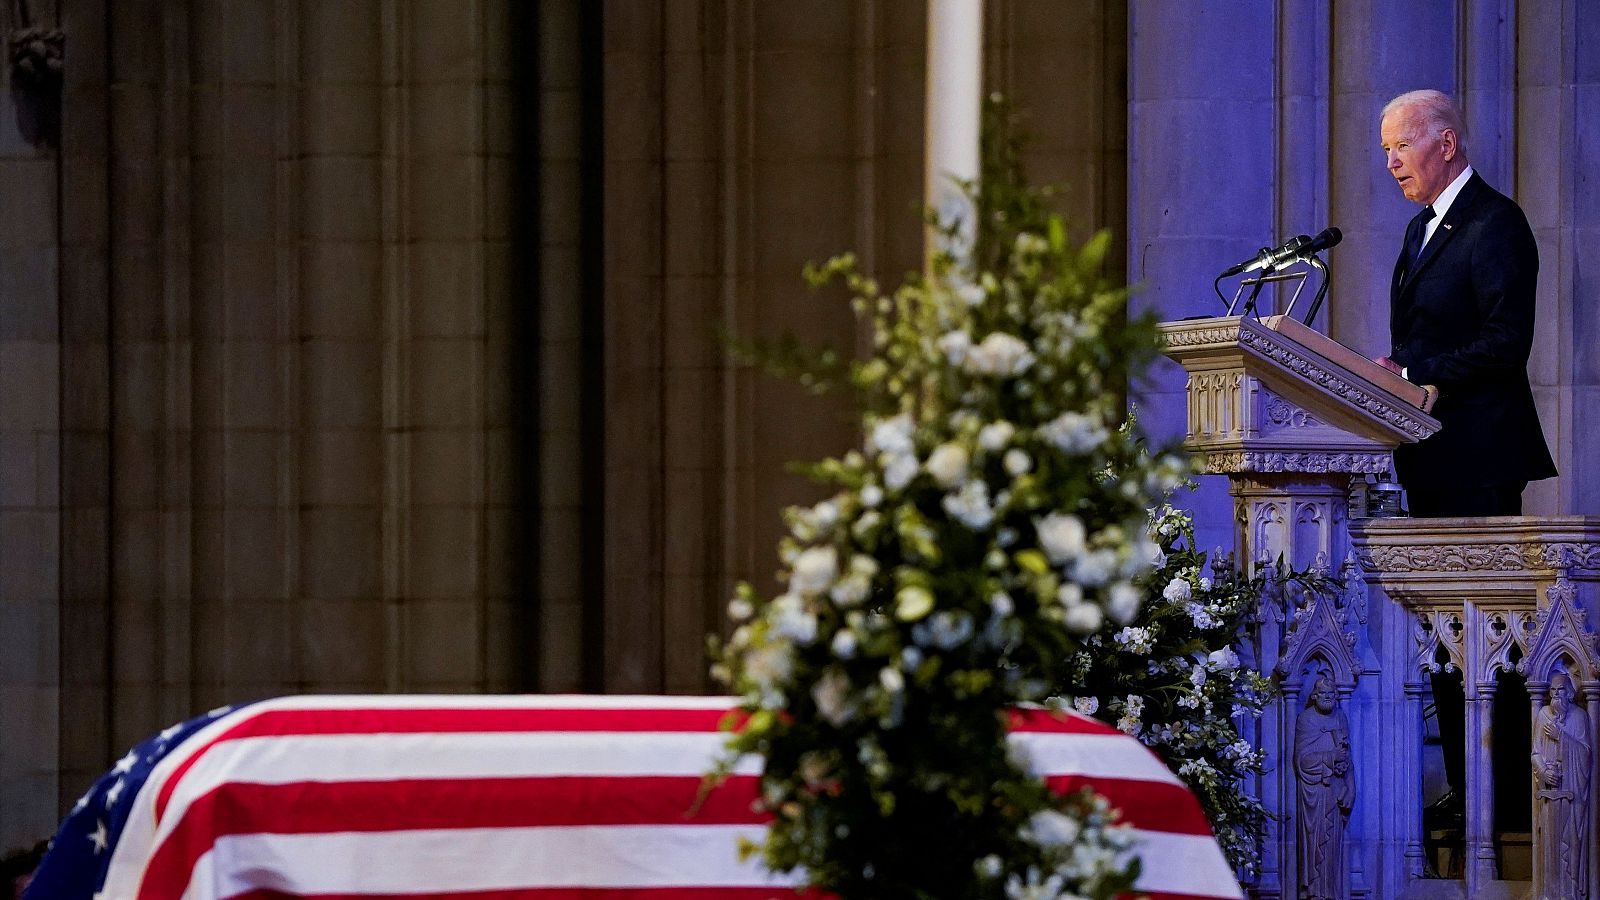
(1001, 604)
(1070, 594)
(970, 294)
(970, 505)
(899, 470)
(996, 435)
(1017, 462)
(1094, 569)
(999, 354)
(1084, 618)
(814, 570)
(1178, 591)
(850, 590)
(844, 644)
(1223, 660)
(955, 345)
(871, 496)
(791, 619)
(1053, 829)
(892, 435)
(1123, 604)
(739, 609)
(1074, 432)
(768, 665)
(948, 464)
(832, 694)
(1062, 536)
(891, 679)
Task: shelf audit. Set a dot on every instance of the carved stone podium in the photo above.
(1290, 416)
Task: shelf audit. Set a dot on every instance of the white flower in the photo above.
(864, 525)
(899, 469)
(1123, 602)
(970, 505)
(1030, 244)
(955, 345)
(739, 609)
(891, 679)
(1178, 591)
(814, 570)
(996, 435)
(948, 464)
(871, 496)
(1074, 432)
(825, 514)
(998, 354)
(1001, 604)
(893, 435)
(1130, 725)
(1223, 660)
(1070, 594)
(1201, 617)
(791, 619)
(1016, 462)
(832, 694)
(844, 644)
(1205, 584)
(1133, 704)
(1086, 705)
(1084, 618)
(1062, 537)
(1197, 677)
(1095, 569)
(945, 630)
(970, 294)
(989, 867)
(1135, 640)
(768, 665)
(910, 658)
(1053, 829)
(851, 590)
(912, 602)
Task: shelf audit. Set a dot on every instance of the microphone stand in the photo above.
(1316, 262)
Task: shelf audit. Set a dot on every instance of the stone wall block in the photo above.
(448, 193)
(341, 383)
(341, 551)
(342, 643)
(340, 42)
(341, 467)
(340, 198)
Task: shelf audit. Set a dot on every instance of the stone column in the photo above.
(1411, 813)
(1479, 764)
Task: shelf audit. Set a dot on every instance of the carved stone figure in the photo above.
(1325, 789)
(1561, 757)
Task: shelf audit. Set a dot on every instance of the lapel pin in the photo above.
(1446, 225)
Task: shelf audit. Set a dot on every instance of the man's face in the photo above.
(1419, 162)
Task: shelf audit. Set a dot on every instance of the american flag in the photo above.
(495, 798)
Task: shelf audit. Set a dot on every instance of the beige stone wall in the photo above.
(377, 346)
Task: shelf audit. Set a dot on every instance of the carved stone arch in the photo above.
(1319, 630)
(1505, 632)
(1563, 639)
(1435, 630)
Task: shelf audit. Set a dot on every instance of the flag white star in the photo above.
(220, 711)
(125, 764)
(170, 732)
(99, 838)
(114, 793)
(82, 802)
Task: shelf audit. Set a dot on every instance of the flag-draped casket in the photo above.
(495, 798)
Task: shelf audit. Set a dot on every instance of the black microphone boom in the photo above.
(1296, 248)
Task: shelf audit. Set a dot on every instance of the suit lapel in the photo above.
(1447, 228)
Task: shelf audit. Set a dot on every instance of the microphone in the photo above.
(1295, 248)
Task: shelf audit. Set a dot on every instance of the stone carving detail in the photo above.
(1504, 630)
(1355, 587)
(1229, 461)
(1318, 630)
(1284, 414)
(1333, 383)
(1436, 629)
(1507, 557)
(1563, 641)
(1325, 792)
(1562, 752)
(1200, 337)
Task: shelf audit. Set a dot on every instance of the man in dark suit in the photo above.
(1461, 320)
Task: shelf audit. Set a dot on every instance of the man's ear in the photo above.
(1447, 140)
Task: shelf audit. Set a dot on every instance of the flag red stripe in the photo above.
(282, 722)
(567, 894)
(1148, 805)
(315, 807)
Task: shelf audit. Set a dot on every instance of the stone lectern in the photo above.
(1290, 416)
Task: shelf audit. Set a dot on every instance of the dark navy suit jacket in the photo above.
(1462, 319)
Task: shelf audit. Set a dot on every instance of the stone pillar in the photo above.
(1410, 814)
(1479, 766)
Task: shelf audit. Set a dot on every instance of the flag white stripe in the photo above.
(1092, 756)
(413, 862)
(1183, 864)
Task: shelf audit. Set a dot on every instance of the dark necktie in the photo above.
(1414, 233)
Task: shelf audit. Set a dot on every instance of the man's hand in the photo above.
(1388, 363)
(1430, 396)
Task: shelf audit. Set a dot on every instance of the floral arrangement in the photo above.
(1173, 679)
(991, 533)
